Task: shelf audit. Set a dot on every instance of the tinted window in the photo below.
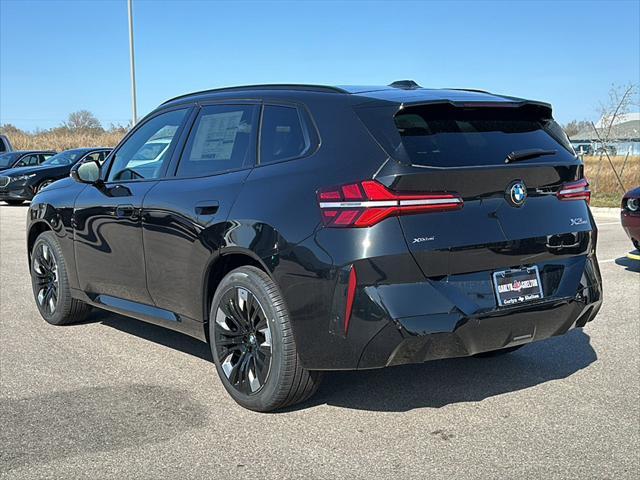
(283, 135)
(133, 160)
(33, 160)
(28, 160)
(65, 158)
(223, 138)
(446, 136)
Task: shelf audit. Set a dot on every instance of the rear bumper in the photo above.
(416, 341)
(453, 333)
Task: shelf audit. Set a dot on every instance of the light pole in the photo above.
(134, 108)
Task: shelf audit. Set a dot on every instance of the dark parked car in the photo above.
(630, 215)
(22, 183)
(299, 229)
(24, 158)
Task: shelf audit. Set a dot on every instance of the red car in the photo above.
(630, 215)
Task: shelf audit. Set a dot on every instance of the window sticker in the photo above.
(216, 136)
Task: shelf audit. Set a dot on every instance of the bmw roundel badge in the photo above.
(517, 193)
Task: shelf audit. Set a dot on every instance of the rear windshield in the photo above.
(446, 136)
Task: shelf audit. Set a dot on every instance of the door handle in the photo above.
(126, 211)
(208, 207)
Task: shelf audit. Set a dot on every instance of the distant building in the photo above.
(625, 137)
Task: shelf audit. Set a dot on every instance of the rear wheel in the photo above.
(14, 203)
(51, 284)
(253, 345)
(498, 353)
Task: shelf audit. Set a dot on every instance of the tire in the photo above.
(636, 244)
(44, 184)
(14, 203)
(498, 353)
(253, 346)
(50, 283)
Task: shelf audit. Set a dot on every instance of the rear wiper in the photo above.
(527, 154)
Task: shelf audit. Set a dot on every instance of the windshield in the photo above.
(7, 159)
(65, 158)
(150, 151)
(453, 137)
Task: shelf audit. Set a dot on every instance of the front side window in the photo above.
(148, 149)
(28, 160)
(282, 135)
(223, 139)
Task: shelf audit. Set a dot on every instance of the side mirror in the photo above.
(88, 172)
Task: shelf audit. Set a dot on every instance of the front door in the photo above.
(107, 218)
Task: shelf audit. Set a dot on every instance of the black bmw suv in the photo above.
(301, 228)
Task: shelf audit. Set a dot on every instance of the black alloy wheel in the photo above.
(243, 340)
(46, 282)
(252, 343)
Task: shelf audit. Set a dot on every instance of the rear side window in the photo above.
(446, 136)
(222, 139)
(283, 134)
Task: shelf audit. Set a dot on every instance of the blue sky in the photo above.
(60, 56)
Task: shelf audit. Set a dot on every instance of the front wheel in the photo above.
(253, 345)
(51, 284)
(43, 185)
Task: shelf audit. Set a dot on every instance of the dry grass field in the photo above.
(606, 190)
(604, 185)
(60, 139)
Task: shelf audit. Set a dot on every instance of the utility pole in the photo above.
(134, 108)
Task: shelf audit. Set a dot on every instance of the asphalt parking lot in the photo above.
(117, 398)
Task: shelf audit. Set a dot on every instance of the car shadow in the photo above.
(629, 264)
(429, 385)
(153, 333)
(443, 382)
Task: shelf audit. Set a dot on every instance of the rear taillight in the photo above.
(366, 203)
(575, 191)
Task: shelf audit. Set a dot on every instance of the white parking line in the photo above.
(608, 260)
(607, 223)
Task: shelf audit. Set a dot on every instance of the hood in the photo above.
(14, 172)
(62, 183)
(633, 193)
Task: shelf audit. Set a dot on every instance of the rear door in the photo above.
(511, 208)
(185, 214)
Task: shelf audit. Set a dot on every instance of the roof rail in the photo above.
(269, 86)
(404, 84)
